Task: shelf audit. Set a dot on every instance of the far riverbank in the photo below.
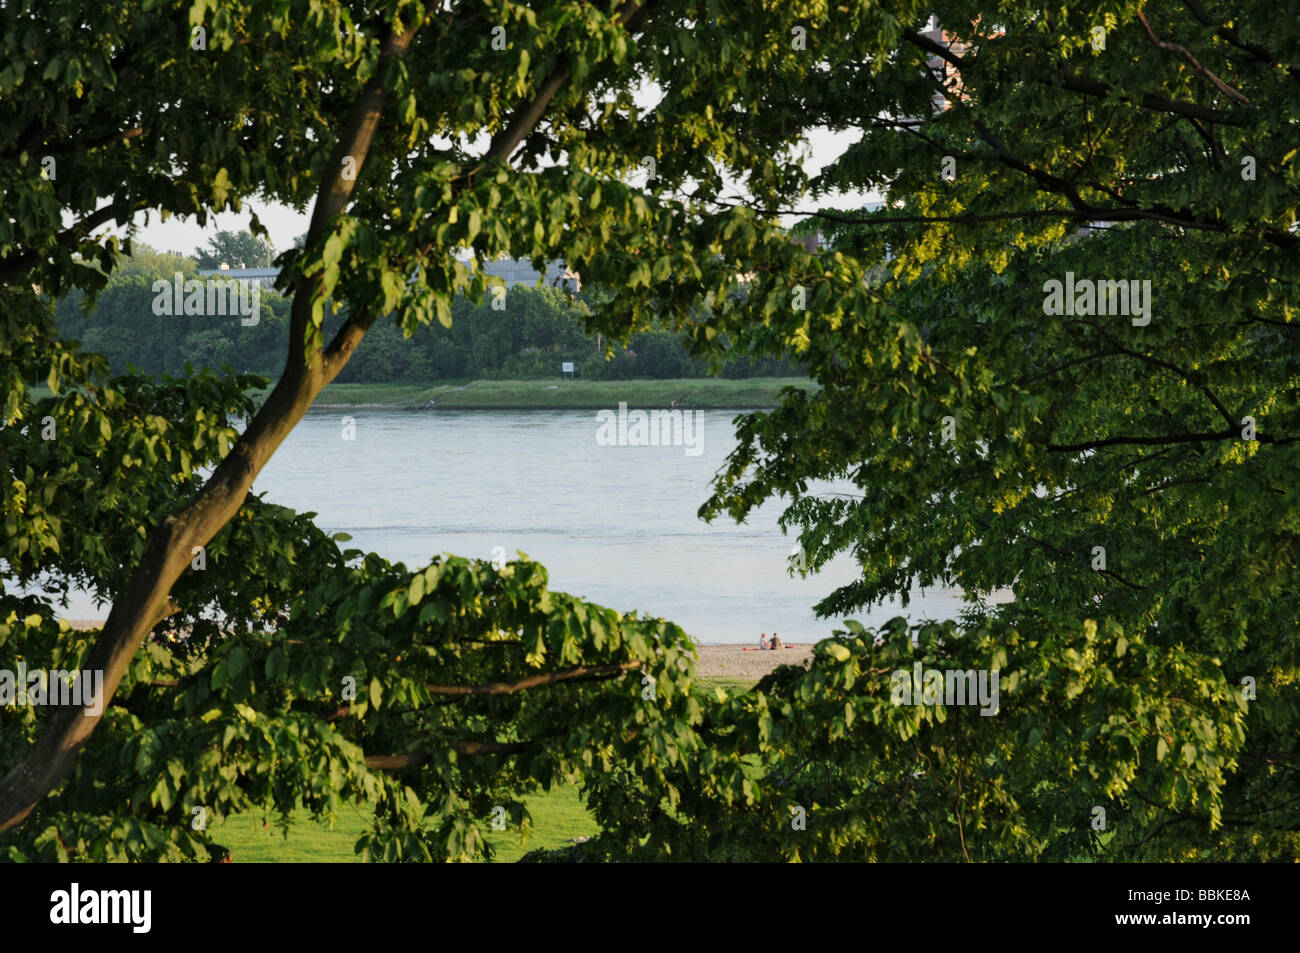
(692, 393)
(707, 393)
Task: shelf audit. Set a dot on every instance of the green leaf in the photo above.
(333, 251)
(236, 661)
(416, 590)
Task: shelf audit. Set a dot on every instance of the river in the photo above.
(615, 524)
(613, 521)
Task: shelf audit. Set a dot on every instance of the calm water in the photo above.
(613, 524)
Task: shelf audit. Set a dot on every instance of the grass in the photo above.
(707, 393)
(698, 393)
(559, 818)
(733, 686)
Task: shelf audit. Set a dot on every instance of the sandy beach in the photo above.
(732, 661)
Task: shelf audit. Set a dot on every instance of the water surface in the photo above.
(613, 524)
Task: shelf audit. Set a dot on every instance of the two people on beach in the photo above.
(763, 643)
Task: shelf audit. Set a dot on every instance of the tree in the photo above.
(121, 324)
(236, 249)
(1148, 705)
(1123, 465)
(368, 113)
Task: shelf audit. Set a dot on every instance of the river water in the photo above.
(613, 521)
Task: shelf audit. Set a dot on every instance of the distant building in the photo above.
(521, 272)
(951, 76)
(263, 276)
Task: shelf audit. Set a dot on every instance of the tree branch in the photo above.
(529, 114)
(580, 673)
(396, 762)
(1087, 213)
(1165, 438)
(1090, 87)
(1231, 36)
(1219, 84)
(1184, 374)
(120, 136)
(577, 673)
(11, 269)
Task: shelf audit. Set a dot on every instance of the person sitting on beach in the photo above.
(762, 641)
(776, 641)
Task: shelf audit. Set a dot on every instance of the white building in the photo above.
(521, 272)
(263, 276)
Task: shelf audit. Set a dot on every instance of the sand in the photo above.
(731, 661)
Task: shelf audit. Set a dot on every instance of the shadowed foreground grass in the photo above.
(559, 818)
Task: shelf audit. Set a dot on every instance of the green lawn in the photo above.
(702, 393)
(707, 393)
(559, 818)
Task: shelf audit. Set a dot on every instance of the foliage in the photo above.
(1127, 681)
(1129, 484)
(236, 250)
(374, 113)
(527, 337)
(263, 720)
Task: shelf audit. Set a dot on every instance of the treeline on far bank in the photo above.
(536, 331)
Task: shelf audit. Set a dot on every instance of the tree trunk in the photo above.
(146, 600)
